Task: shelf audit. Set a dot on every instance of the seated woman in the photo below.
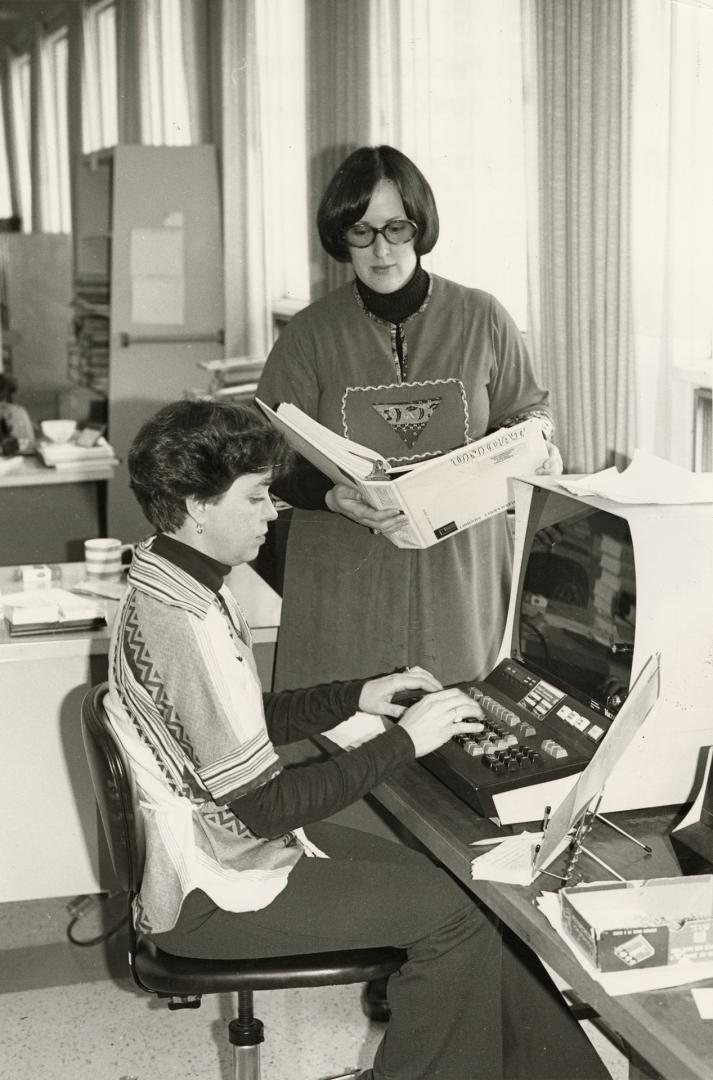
(229, 871)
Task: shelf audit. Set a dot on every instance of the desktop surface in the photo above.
(662, 1026)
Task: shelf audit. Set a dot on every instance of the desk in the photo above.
(51, 842)
(663, 1026)
(48, 513)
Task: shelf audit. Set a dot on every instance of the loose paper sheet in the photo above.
(648, 479)
(703, 998)
(357, 729)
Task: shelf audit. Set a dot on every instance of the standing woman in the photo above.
(412, 365)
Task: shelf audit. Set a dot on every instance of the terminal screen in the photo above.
(577, 613)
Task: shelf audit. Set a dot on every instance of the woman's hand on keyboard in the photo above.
(439, 716)
(377, 694)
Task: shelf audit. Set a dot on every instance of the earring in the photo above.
(199, 528)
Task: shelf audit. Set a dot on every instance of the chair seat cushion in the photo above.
(166, 973)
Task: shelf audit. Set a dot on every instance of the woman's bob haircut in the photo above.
(349, 192)
(198, 448)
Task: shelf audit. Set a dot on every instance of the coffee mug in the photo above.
(102, 558)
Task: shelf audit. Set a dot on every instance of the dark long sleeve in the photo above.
(304, 486)
(307, 793)
(295, 714)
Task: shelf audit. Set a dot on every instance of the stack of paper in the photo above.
(69, 455)
(234, 378)
(511, 860)
(647, 479)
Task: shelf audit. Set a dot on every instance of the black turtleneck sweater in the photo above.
(305, 486)
(396, 306)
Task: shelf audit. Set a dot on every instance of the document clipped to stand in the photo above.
(438, 497)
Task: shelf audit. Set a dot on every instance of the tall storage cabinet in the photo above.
(148, 290)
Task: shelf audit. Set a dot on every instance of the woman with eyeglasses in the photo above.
(412, 365)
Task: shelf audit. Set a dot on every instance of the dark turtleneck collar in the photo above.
(203, 568)
(396, 306)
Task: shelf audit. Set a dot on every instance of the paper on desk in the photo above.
(358, 729)
(647, 479)
(511, 861)
(703, 999)
(112, 590)
(633, 981)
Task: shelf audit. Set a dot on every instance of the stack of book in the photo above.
(234, 378)
(70, 456)
(88, 352)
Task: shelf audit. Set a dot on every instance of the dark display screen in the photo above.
(577, 613)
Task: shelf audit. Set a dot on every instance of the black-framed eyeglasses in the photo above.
(398, 231)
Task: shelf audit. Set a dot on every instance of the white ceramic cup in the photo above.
(102, 558)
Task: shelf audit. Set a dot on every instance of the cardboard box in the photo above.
(638, 924)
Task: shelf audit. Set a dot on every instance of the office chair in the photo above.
(183, 980)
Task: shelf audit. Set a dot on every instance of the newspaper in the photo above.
(438, 497)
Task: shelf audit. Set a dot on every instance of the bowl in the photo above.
(58, 431)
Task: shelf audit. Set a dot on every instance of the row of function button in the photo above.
(498, 745)
(500, 712)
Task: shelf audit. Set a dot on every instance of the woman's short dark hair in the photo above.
(198, 448)
(349, 192)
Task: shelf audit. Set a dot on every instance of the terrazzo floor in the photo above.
(71, 1013)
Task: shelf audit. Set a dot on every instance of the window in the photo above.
(281, 68)
(100, 123)
(56, 215)
(20, 69)
(448, 91)
(165, 115)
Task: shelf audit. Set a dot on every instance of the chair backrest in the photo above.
(111, 779)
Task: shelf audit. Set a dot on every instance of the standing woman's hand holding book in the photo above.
(346, 500)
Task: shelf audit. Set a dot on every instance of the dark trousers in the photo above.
(469, 1003)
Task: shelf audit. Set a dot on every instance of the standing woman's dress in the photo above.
(354, 604)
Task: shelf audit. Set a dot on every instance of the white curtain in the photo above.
(163, 72)
(672, 217)
(577, 92)
(448, 92)
(247, 297)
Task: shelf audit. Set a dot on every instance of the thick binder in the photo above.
(438, 497)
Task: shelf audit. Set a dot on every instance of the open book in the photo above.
(438, 497)
(39, 611)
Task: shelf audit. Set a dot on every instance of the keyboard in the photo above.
(533, 732)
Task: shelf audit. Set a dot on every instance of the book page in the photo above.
(447, 494)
